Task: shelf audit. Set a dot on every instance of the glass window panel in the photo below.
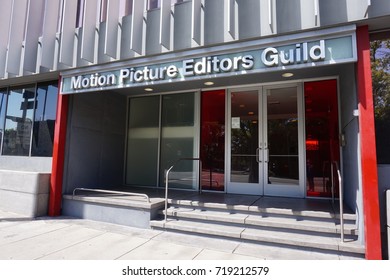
(245, 169)
(3, 106)
(282, 131)
(178, 140)
(212, 146)
(44, 119)
(244, 137)
(19, 121)
(380, 66)
(322, 136)
(142, 145)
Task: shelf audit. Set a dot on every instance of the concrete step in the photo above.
(262, 235)
(237, 208)
(291, 222)
(116, 209)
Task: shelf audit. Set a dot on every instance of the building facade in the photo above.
(273, 97)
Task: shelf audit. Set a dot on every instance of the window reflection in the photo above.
(27, 119)
(3, 106)
(44, 120)
(142, 141)
(322, 136)
(170, 131)
(244, 137)
(282, 131)
(212, 145)
(18, 121)
(178, 140)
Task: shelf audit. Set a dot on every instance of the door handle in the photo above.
(267, 156)
(258, 155)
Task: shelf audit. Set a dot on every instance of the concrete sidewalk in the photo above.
(77, 239)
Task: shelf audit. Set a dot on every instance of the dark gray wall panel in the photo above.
(96, 141)
(83, 159)
(351, 151)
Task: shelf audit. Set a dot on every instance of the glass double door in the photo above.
(265, 141)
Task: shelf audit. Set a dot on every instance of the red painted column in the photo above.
(57, 172)
(368, 147)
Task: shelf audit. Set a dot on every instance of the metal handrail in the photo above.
(341, 198)
(112, 192)
(167, 180)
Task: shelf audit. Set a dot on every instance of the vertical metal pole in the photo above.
(166, 193)
(2, 125)
(341, 199)
(167, 179)
(200, 176)
(332, 179)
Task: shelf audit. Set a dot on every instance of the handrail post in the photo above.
(166, 192)
(332, 179)
(341, 198)
(200, 176)
(167, 180)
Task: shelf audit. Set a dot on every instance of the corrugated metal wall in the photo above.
(40, 36)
